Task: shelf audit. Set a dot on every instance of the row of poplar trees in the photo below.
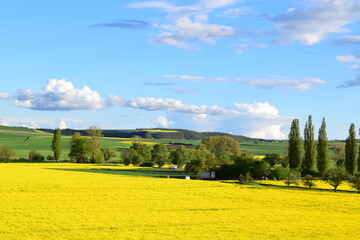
(316, 154)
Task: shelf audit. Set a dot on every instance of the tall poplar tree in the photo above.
(56, 144)
(295, 145)
(322, 149)
(309, 146)
(350, 151)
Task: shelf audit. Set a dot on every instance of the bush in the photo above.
(260, 169)
(279, 173)
(50, 157)
(245, 179)
(35, 156)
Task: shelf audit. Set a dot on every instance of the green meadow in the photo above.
(24, 140)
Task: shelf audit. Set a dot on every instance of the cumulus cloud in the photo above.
(4, 95)
(124, 23)
(266, 83)
(113, 100)
(188, 23)
(162, 122)
(59, 95)
(315, 20)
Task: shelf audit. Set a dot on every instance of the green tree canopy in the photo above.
(294, 155)
(56, 144)
(309, 146)
(219, 144)
(322, 149)
(350, 151)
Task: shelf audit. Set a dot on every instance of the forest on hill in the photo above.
(155, 134)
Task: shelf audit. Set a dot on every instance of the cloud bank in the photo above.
(260, 120)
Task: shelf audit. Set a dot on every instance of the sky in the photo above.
(246, 67)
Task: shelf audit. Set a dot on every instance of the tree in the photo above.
(295, 145)
(79, 148)
(95, 135)
(291, 177)
(159, 154)
(309, 181)
(56, 144)
(309, 146)
(219, 144)
(334, 176)
(145, 151)
(322, 149)
(127, 155)
(137, 159)
(7, 154)
(354, 181)
(179, 157)
(350, 151)
(108, 154)
(197, 164)
(272, 159)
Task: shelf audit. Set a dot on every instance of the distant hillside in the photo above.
(155, 133)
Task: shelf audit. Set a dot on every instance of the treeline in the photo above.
(177, 134)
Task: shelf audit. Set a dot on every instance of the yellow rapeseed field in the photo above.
(52, 201)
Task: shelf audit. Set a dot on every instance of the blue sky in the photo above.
(244, 67)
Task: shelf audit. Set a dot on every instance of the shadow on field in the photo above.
(141, 172)
(306, 188)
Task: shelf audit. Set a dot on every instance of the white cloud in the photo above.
(115, 100)
(348, 58)
(4, 95)
(25, 122)
(65, 122)
(267, 83)
(259, 120)
(59, 95)
(185, 29)
(162, 122)
(189, 23)
(154, 104)
(316, 20)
